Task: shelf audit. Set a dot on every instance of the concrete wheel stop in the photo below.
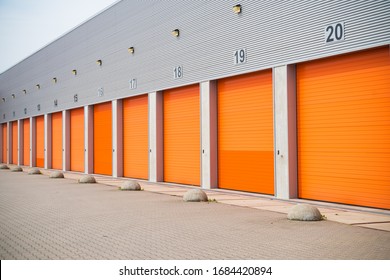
(4, 166)
(304, 212)
(34, 171)
(56, 174)
(130, 186)
(195, 195)
(87, 179)
(16, 169)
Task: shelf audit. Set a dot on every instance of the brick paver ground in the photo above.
(42, 218)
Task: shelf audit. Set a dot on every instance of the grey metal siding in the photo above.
(273, 33)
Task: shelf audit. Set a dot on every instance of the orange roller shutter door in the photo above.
(77, 139)
(40, 141)
(182, 135)
(344, 129)
(15, 142)
(26, 142)
(135, 137)
(245, 133)
(102, 139)
(4, 128)
(56, 138)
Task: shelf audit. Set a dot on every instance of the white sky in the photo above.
(28, 25)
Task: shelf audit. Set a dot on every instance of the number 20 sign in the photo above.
(334, 32)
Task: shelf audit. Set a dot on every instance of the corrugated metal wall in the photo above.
(272, 32)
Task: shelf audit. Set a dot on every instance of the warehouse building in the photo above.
(288, 99)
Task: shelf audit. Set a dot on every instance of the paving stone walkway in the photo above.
(43, 218)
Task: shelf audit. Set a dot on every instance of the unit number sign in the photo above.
(178, 72)
(133, 83)
(334, 32)
(239, 56)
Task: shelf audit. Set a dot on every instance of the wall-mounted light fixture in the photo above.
(99, 62)
(3, 99)
(13, 95)
(74, 71)
(25, 91)
(131, 50)
(38, 86)
(237, 9)
(54, 80)
(175, 32)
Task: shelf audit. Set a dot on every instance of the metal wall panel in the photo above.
(272, 32)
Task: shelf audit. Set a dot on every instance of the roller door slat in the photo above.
(56, 138)
(40, 141)
(15, 142)
(182, 135)
(102, 139)
(4, 141)
(77, 140)
(135, 137)
(245, 133)
(343, 114)
(26, 142)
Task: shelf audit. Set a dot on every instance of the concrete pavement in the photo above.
(42, 218)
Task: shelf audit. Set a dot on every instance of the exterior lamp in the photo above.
(54, 80)
(13, 95)
(99, 62)
(25, 91)
(74, 71)
(175, 33)
(131, 50)
(38, 86)
(237, 9)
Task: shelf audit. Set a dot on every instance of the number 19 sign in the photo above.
(239, 56)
